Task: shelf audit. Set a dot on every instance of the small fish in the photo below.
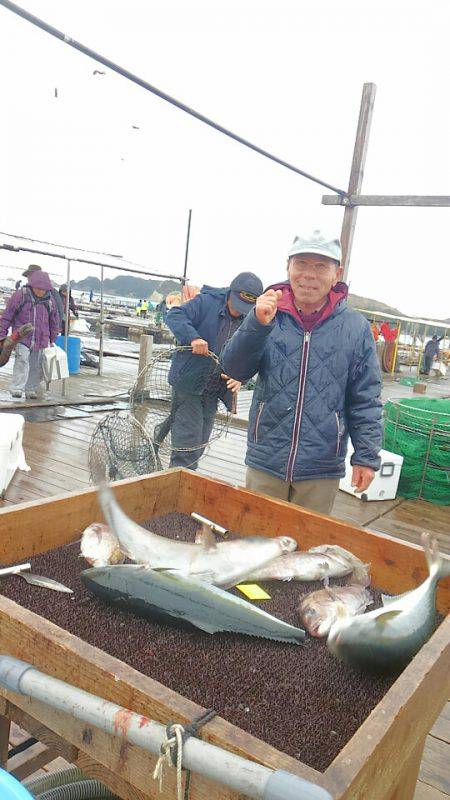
(170, 596)
(319, 610)
(44, 582)
(100, 547)
(388, 638)
(326, 561)
(224, 563)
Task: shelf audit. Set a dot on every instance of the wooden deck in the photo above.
(57, 452)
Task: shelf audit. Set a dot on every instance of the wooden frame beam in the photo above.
(435, 201)
(357, 171)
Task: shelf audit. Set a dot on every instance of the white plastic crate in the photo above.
(11, 451)
(385, 483)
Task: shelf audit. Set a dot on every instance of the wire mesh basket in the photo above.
(419, 430)
(152, 403)
(120, 448)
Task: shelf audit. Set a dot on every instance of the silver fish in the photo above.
(325, 561)
(388, 638)
(319, 610)
(100, 547)
(221, 563)
(44, 582)
(167, 595)
(36, 580)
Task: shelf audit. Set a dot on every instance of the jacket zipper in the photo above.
(338, 433)
(255, 429)
(33, 336)
(299, 406)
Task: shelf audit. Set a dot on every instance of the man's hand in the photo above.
(266, 306)
(199, 347)
(233, 385)
(362, 477)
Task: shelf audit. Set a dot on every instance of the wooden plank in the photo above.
(43, 525)
(114, 780)
(425, 792)
(441, 728)
(396, 565)
(435, 768)
(63, 655)
(355, 199)
(391, 738)
(24, 764)
(357, 171)
(5, 727)
(45, 735)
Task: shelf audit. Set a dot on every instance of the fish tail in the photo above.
(439, 567)
(107, 501)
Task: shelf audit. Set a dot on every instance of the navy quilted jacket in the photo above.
(313, 391)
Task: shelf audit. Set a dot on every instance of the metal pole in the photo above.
(187, 246)
(244, 777)
(422, 349)
(394, 358)
(66, 321)
(100, 349)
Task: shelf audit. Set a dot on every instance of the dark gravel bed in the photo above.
(298, 699)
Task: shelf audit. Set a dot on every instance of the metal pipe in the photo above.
(422, 349)
(64, 37)
(17, 249)
(242, 776)
(210, 523)
(186, 254)
(66, 322)
(100, 349)
(394, 357)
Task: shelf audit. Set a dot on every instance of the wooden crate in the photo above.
(382, 759)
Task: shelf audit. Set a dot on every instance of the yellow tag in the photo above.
(253, 591)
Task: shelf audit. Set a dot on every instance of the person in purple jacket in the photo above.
(34, 305)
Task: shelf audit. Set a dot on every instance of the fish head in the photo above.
(315, 622)
(287, 544)
(338, 629)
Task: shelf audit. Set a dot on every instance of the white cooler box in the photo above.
(11, 450)
(385, 483)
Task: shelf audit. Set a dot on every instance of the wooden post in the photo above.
(5, 725)
(357, 171)
(145, 353)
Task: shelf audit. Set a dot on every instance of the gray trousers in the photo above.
(318, 495)
(192, 420)
(27, 371)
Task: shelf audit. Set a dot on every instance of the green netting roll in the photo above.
(419, 430)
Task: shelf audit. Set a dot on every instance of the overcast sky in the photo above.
(287, 75)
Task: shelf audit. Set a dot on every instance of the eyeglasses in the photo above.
(248, 297)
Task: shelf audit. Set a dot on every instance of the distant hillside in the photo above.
(356, 301)
(132, 286)
(128, 286)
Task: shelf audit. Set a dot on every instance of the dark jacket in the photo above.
(200, 318)
(432, 348)
(313, 390)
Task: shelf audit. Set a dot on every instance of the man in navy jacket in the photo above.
(318, 382)
(205, 323)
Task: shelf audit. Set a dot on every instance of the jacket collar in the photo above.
(336, 302)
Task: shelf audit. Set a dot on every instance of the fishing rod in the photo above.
(63, 37)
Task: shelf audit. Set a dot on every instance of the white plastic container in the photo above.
(11, 450)
(385, 483)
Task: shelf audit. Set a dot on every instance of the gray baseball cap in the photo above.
(317, 244)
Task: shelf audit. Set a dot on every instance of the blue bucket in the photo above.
(73, 352)
(10, 789)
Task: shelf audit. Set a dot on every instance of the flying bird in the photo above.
(136, 127)
(98, 72)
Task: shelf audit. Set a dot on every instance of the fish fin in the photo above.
(387, 616)
(360, 576)
(205, 537)
(341, 611)
(326, 581)
(208, 627)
